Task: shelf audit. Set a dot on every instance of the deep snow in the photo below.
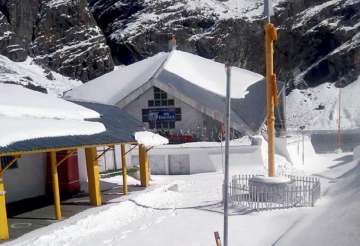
(27, 114)
(184, 210)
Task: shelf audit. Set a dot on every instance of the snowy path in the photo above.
(173, 213)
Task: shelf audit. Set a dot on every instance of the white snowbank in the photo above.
(357, 153)
(150, 139)
(17, 101)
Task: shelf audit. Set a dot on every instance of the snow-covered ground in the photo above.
(184, 210)
(28, 72)
(317, 108)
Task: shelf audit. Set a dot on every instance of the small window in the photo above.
(163, 95)
(151, 125)
(171, 102)
(145, 115)
(5, 160)
(165, 125)
(164, 103)
(156, 90)
(172, 125)
(151, 103)
(157, 102)
(157, 96)
(158, 124)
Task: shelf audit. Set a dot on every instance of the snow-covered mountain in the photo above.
(59, 34)
(35, 77)
(319, 40)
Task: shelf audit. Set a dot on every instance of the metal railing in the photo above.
(302, 192)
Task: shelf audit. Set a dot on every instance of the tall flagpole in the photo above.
(271, 86)
(227, 138)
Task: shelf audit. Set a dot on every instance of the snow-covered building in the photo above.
(40, 133)
(181, 95)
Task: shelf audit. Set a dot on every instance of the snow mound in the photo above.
(150, 139)
(16, 101)
(27, 114)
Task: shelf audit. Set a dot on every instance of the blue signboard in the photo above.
(162, 114)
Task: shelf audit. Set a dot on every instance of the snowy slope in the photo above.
(28, 73)
(317, 108)
(164, 10)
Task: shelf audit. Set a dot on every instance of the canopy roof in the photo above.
(35, 122)
(195, 80)
(120, 128)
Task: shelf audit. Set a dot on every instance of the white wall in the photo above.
(205, 159)
(28, 180)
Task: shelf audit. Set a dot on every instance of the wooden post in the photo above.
(92, 167)
(271, 94)
(124, 170)
(55, 185)
(4, 230)
(144, 166)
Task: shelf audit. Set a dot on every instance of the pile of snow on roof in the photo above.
(27, 114)
(111, 88)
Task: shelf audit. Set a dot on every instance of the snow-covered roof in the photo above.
(27, 114)
(204, 73)
(192, 78)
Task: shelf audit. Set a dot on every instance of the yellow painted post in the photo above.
(92, 168)
(271, 94)
(55, 184)
(4, 230)
(124, 170)
(144, 166)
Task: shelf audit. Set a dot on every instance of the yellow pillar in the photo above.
(144, 166)
(124, 170)
(55, 184)
(92, 167)
(271, 94)
(4, 230)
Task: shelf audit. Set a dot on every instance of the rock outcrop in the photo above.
(319, 40)
(58, 34)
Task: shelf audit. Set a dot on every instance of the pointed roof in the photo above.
(197, 81)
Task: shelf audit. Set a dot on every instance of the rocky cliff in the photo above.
(319, 40)
(61, 35)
